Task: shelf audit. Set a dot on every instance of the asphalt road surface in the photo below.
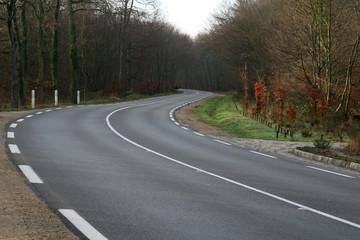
(130, 171)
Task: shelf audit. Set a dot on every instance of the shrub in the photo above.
(317, 101)
(291, 114)
(353, 132)
(261, 93)
(321, 143)
(306, 132)
(353, 147)
(280, 91)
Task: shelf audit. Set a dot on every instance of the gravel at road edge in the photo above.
(22, 214)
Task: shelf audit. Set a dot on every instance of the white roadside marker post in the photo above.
(33, 99)
(56, 98)
(78, 97)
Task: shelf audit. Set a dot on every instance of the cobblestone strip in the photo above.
(327, 160)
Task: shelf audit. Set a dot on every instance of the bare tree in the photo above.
(10, 6)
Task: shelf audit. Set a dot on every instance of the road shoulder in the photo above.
(23, 215)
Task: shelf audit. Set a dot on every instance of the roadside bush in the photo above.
(334, 123)
(321, 143)
(94, 95)
(353, 147)
(353, 132)
(306, 132)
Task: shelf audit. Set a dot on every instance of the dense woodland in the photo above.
(285, 59)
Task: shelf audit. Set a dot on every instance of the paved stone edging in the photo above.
(327, 160)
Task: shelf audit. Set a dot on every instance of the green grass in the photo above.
(221, 113)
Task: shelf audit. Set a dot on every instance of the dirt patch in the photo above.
(22, 214)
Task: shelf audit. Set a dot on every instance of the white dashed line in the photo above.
(38, 113)
(199, 134)
(14, 149)
(29, 116)
(177, 123)
(89, 231)
(222, 142)
(69, 107)
(30, 174)
(327, 171)
(262, 154)
(184, 128)
(58, 108)
(49, 110)
(13, 125)
(10, 135)
(20, 120)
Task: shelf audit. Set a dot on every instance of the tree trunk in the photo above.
(24, 55)
(125, 19)
(74, 61)
(11, 11)
(41, 52)
(55, 48)
(345, 96)
(20, 67)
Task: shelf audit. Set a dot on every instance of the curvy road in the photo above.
(130, 171)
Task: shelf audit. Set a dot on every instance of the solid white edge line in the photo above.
(13, 125)
(227, 179)
(14, 149)
(10, 135)
(199, 134)
(262, 154)
(30, 174)
(219, 141)
(327, 171)
(80, 223)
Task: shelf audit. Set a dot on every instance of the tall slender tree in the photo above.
(73, 51)
(55, 47)
(10, 6)
(24, 71)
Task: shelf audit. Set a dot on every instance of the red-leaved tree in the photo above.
(317, 101)
(261, 93)
(291, 114)
(280, 91)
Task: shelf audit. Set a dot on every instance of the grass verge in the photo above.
(221, 113)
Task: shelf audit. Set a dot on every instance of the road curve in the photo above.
(130, 171)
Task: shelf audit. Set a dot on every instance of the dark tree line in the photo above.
(109, 47)
(101, 47)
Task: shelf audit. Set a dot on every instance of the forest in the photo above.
(285, 60)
